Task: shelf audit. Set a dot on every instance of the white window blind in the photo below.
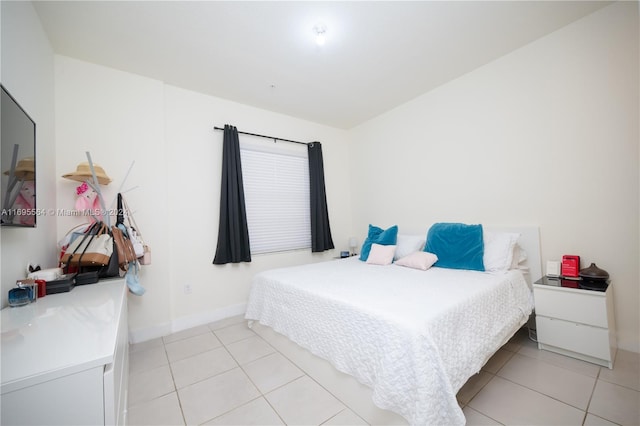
(276, 192)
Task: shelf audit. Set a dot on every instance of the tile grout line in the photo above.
(595, 384)
(315, 381)
(543, 394)
(175, 387)
(297, 378)
(262, 394)
(558, 365)
(540, 393)
(184, 420)
(238, 365)
(586, 410)
(170, 366)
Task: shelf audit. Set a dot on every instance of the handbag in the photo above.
(74, 233)
(123, 246)
(146, 257)
(95, 249)
(142, 250)
(112, 269)
(78, 243)
(136, 242)
(91, 274)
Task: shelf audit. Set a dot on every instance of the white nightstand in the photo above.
(575, 322)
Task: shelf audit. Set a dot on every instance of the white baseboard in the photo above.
(183, 323)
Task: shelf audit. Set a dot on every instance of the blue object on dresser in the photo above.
(19, 296)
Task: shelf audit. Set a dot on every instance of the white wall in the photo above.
(120, 117)
(27, 73)
(546, 135)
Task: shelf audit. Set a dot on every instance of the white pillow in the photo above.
(381, 255)
(407, 244)
(418, 260)
(519, 257)
(498, 250)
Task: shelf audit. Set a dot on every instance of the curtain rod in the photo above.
(266, 137)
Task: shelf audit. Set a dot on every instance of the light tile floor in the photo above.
(225, 374)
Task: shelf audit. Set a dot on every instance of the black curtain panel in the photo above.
(320, 230)
(233, 233)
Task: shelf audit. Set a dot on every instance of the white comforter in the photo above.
(413, 336)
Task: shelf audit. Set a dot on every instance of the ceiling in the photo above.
(377, 55)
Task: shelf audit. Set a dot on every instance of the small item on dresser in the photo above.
(19, 296)
(42, 288)
(25, 292)
(45, 274)
(594, 273)
(31, 285)
(61, 285)
(594, 278)
(570, 266)
(90, 277)
(553, 268)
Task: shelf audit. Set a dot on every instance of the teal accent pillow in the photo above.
(384, 237)
(458, 246)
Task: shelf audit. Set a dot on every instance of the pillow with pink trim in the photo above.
(418, 260)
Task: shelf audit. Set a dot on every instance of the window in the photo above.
(276, 192)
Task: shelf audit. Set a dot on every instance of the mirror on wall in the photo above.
(18, 172)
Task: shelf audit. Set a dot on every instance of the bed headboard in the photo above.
(530, 241)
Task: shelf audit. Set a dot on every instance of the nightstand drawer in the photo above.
(584, 339)
(586, 307)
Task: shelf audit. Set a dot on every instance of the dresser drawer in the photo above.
(585, 307)
(584, 339)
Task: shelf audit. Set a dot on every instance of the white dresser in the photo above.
(575, 322)
(65, 358)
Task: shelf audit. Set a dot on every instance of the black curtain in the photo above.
(320, 230)
(233, 233)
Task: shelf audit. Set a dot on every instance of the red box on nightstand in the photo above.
(570, 266)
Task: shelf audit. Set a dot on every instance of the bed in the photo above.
(412, 337)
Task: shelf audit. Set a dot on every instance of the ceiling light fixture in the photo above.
(320, 31)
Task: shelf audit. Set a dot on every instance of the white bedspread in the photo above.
(413, 336)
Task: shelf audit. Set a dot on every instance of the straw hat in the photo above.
(25, 169)
(83, 173)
